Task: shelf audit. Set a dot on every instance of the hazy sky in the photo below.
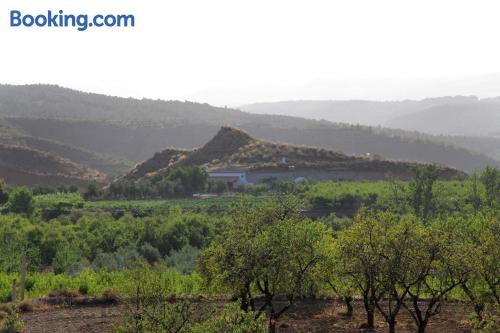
(232, 51)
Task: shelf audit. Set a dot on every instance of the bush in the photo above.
(232, 320)
(12, 324)
(184, 260)
(21, 201)
(63, 292)
(83, 289)
(4, 196)
(25, 306)
(150, 253)
(109, 296)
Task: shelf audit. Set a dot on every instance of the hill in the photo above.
(364, 112)
(134, 130)
(24, 166)
(234, 149)
(10, 135)
(470, 119)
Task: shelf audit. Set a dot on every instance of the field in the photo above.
(312, 316)
(423, 245)
(69, 201)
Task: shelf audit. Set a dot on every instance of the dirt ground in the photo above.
(308, 316)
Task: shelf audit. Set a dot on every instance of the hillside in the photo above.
(363, 112)
(23, 166)
(10, 135)
(131, 129)
(234, 149)
(472, 119)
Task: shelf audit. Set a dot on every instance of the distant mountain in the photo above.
(470, 119)
(24, 166)
(134, 130)
(234, 149)
(371, 113)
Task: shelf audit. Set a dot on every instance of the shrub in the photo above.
(21, 201)
(25, 306)
(109, 296)
(232, 320)
(4, 196)
(83, 289)
(63, 292)
(12, 324)
(184, 260)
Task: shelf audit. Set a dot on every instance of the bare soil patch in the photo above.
(311, 316)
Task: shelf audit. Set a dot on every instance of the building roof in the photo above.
(228, 179)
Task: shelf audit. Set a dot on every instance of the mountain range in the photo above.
(232, 149)
(108, 135)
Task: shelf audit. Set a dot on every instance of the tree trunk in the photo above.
(272, 323)
(370, 318)
(392, 326)
(370, 312)
(24, 266)
(348, 303)
(245, 304)
(13, 295)
(422, 326)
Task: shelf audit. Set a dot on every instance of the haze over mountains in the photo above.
(111, 134)
(457, 116)
(233, 149)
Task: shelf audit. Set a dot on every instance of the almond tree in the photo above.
(445, 264)
(269, 248)
(358, 256)
(483, 284)
(401, 253)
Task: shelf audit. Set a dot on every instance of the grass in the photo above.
(97, 283)
(210, 204)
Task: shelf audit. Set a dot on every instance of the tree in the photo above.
(475, 195)
(375, 254)
(4, 195)
(93, 191)
(490, 177)
(482, 285)
(342, 285)
(421, 196)
(220, 187)
(360, 262)
(21, 201)
(444, 263)
(401, 253)
(269, 247)
(191, 180)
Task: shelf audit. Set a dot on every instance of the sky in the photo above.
(233, 52)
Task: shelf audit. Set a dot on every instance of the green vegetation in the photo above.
(399, 246)
(83, 127)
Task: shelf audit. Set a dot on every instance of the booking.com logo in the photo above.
(60, 20)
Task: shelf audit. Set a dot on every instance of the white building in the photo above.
(233, 179)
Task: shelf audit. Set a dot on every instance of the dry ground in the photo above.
(308, 316)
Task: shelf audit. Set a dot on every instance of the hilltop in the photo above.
(128, 131)
(24, 166)
(234, 149)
